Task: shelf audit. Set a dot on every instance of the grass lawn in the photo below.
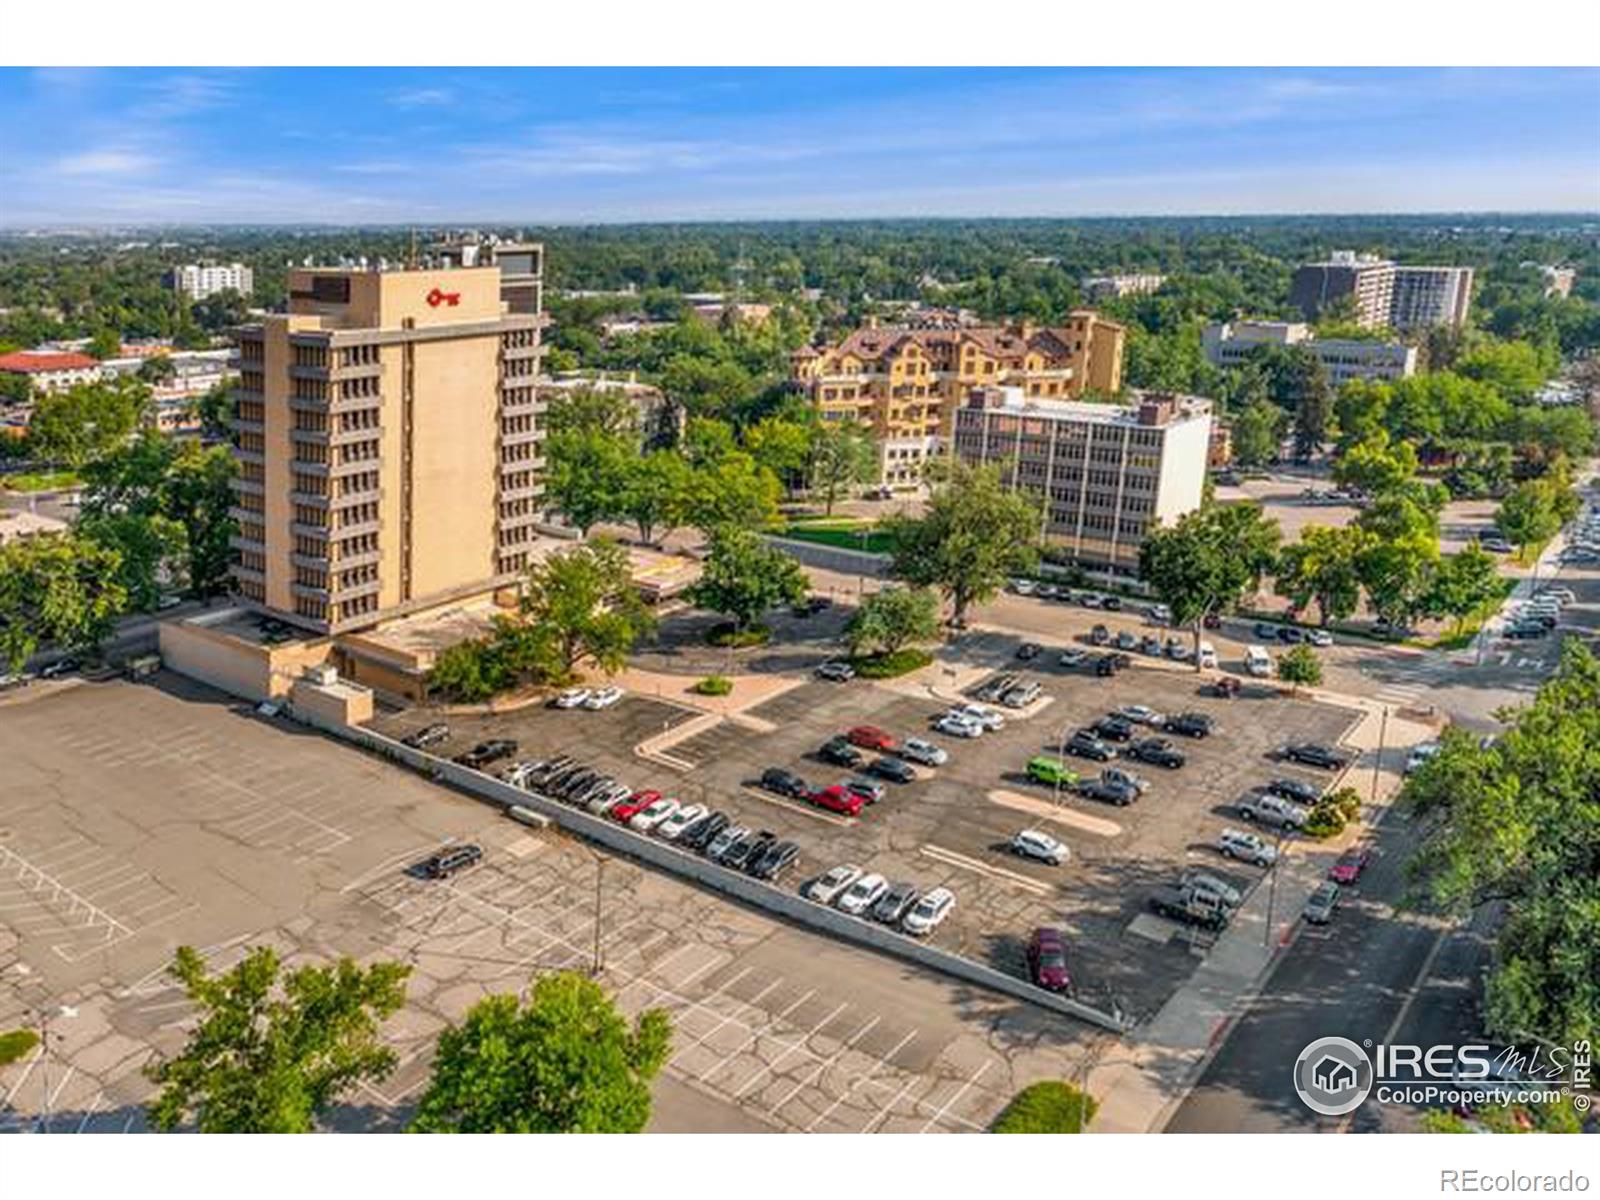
(41, 481)
(891, 666)
(849, 533)
(1461, 639)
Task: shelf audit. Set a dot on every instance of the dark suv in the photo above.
(1190, 724)
(840, 753)
(1085, 745)
(428, 735)
(1314, 754)
(785, 783)
(447, 862)
(1113, 728)
(485, 753)
(1157, 751)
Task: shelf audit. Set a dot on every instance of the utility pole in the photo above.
(1272, 891)
(1377, 761)
(599, 875)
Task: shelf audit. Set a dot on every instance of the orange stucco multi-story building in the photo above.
(904, 382)
(388, 434)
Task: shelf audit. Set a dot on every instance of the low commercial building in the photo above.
(51, 370)
(199, 280)
(1558, 281)
(1230, 344)
(1106, 473)
(1115, 287)
(904, 382)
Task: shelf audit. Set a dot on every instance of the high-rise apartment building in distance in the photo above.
(388, 438)
(1382, 293)
(1107, 473)
(199, 280)
(1114, 287)
(904, 382)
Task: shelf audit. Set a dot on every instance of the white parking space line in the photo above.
(753, 1002)
(887, 1111)
(861, 1080)
(754, 1035)
(797, 1044)
(826, 1063)
(956, 1095)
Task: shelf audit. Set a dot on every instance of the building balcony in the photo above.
(357, 558)
(313, 562)
(242, 425)
(525, 491)
(249, 574)
(320, 374)
(248, 487)
(240, 513)
(520, 408)
(330, 437)
(522, 437)
(356, 371)
(308, 529)
(369, 495)
(350, 591)
(342, 528)
(517, 520)
(240, 454)
(310, 591)
(520, 353)
(240, 542)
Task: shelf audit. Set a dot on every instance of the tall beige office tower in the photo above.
(388, 438)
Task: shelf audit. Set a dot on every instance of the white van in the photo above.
(1257, 661)
(1208, 655)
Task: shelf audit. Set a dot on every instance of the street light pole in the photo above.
(599, 875)
(1377, 761)
(1272, 891)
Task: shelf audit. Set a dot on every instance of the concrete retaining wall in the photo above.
(834, 558)
(691, 866)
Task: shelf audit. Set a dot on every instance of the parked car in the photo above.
(448, 861)
(1225, 686)
(61, 668)
(891, 769)
(1294, 789)
(1141, 714)
(1324, 901)
(626, 810)
(1099, 635)
(870, 737)
(678, 823)
(862, 894)
(989, 718)
(826, 888)
(1183, 903)
(1526, 630)
(1157, 751)
(726, 837)
(1266, 631)
(928, 913)
(995, 686)
(1315, 754)
(1072, 658)
(1084, 744)
(1272, 810)
(896, 902)
(1047, 960)
(1051, 772)
(836, 670)
(1111, 603)
(1159, 613)
(701, 833)
(1495, 545)
(837, 799)
(739, 855)
(1291, 635)
(1021, 696)
(1150, 644)
(870, 790)
(571, 698)
(1204, 881)
(652, 815)
(1028, 651)
(428, 735)
(1106, 665)
(1208, 656)
(1178, 649)
(1320, 638)
(1040, 846)
(954, 725)
(777, 858)
(1191, 725)
(1247, 847)
(918, 751)
(1126, 639)
(1420, 756)
(1113, 728)
(1350, 865)
(784, 783)
(487, 752)
(1125, 779)
(1107, 791)
(840, 753)
(603, 698)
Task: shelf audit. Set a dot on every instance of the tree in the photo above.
(733, 490)
(1528, 515)
(1308, 388)
(565, 1062)
(1515, 823)
(215, 411)
(469, 671)
(1209, 561)
(270, 1055)
(842, 454)
(592, 410)
(782, 447)
(1397, 573)
(584, 601)
(1323, 566)
(1257, 433)
(86, 422)
(106, 343)
(1049, 1106)
(587, 473)
(891, 619)
(157, 368)
(1514, 369)
(57, 588)
(1300, 667)
(972, 535)
(1374, 466)
(144, 543)
(657, 493)
(1462, 584)
(744, 577)
(707, 441)
(197, 495)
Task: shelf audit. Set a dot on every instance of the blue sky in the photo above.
(441, 145)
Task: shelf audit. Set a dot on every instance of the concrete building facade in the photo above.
(1230, 344)
(904, 383)
(51, 370)
(388, 438)
(1383, 293)
(1114, 287)
(1106, 473)
(1428, 297)
(199, 280)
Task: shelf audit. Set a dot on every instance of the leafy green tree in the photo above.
(197, 495)
(1375, 467)
(15, 389)
(586, 475)
(270, 1055)
(1515, 823)
(1398, 573)
(157, 368)
(1300, 667)
(57, 588)
(1528, 515)
(842, 454)
(1209, 561)
(106, 343)
(781, 446)
(585, 602)
(893, 618)
(734, 490)
(592, 410)
(973, 534)
(744, 577)
(565, 1062)
(470, 672)
(1514, 369)
(1049, 1106)
(707, 441)
(1323, 566)
(144, 543)
(215, 411)
(657, 493)
(1307, 387)
(1463, 584)
(1257, 433)
(87, 422)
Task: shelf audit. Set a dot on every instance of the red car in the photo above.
(1350, 865)
(837, 799)
(870, 737)
(633, 806)
(1047, 960)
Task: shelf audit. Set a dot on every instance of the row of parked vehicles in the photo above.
(1536, 617)
(867, 894)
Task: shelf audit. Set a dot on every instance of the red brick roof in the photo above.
(25, 362)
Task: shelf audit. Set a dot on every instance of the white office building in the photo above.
(1230, 343)
(199, 280)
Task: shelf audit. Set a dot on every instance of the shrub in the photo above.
(14, 1046)
(732, 637)
(1325, 819)
(1348, 803)
(713, 685)
(890, 666)
(1048, 1107)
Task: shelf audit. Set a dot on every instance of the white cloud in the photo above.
(422, 97)
(105, 162)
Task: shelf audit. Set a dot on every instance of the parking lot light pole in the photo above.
(1272, 891)
(595, 964)
(1377, 761)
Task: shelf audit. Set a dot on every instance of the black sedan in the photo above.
(1107, 792)
(1314, 754)
(1190, 724)
(891, 769)
(1156, 751)
(1113, 728)
(1296, 790)
(840, 753)
(1085, 745)
(485, 753)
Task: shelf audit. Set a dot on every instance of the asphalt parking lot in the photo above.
(137, 817)
(950, 826)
